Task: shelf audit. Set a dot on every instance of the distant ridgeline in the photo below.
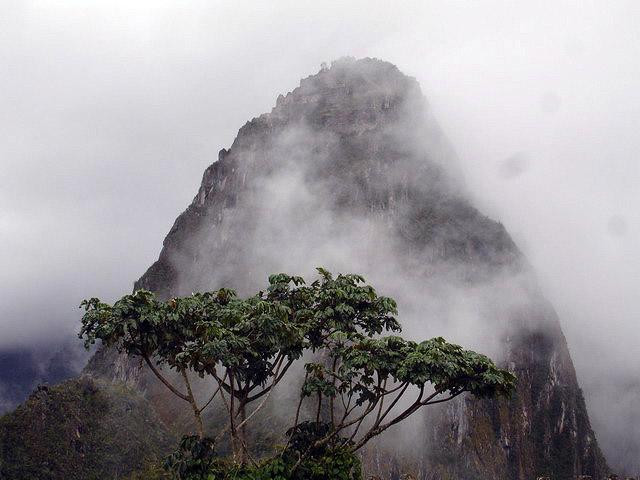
(23, 368)
(351, 172)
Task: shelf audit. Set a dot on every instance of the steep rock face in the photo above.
(543, 430)
(349, 171)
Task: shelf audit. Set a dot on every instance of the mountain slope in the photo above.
(81, 429)
(349, 171)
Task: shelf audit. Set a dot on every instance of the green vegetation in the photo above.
(360, 384)
(80, 430)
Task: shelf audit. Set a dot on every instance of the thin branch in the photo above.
(264, 401)
(295, 422)
(276, 363)
(368, 410)
(347, 412)
(333, 383)
(319, 407)
(326, 439)
(393, 404)
(246, 450)
(344, 405)
(342, 426)
(232, 413)
(164, 380)
(395, 389)
(384, 387)
(378, 429)
(221, 381)
(297, 417)
(214, 395)
(443, 399)
(266, 390)
(226, 404)
(355, 430)
(194, 405)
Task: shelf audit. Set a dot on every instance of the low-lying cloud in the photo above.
(112, 110)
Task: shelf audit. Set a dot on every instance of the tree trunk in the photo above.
(232, 418)
(242, 431)
(194, 406)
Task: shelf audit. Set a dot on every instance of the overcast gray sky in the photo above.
(110, 111)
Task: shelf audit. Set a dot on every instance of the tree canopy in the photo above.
(360, 381)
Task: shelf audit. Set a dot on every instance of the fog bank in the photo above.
(112, 110)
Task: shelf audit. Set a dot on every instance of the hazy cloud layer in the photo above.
(111, 111)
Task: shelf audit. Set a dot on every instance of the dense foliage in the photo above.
(81, 429)
(195, 459)
(360, 384)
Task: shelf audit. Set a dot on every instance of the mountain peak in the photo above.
(349, 96)
(359, 76)
(349, 171)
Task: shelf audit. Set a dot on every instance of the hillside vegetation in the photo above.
(82, 429)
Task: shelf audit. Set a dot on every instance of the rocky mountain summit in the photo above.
(351, 172)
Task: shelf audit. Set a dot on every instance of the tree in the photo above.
(359, 382)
